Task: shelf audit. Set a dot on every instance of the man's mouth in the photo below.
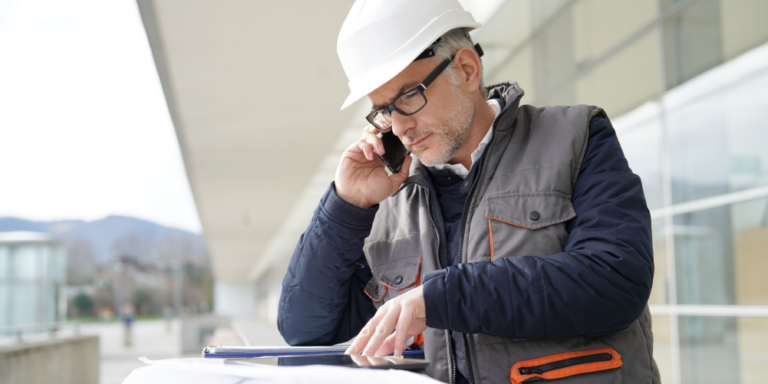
(420, 141)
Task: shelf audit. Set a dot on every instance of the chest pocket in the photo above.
(393, 279)
(528, 224)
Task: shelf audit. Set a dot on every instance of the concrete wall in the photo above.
(66, 360)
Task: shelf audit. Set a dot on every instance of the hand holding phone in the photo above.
(361, 178)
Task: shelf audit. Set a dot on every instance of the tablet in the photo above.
(343, 360)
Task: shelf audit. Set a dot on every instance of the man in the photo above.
(514, 245)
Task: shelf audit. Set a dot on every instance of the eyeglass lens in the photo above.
(407, 104)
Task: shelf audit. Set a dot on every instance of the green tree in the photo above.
(84, 304)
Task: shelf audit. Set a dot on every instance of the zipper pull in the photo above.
(531, 371)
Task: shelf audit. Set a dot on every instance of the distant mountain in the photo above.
(115, 235)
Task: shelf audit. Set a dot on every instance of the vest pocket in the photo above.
(565, 365)
(530, 224)
(393, 279)
(530, 210)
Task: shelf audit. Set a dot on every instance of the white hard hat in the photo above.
(380, 38)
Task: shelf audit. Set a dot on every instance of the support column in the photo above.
(234, 298)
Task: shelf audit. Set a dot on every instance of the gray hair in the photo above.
(449, 44)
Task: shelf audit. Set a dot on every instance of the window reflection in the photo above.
(721, 349)
(662, 347)
(714, 246)
(660, 285)
(692, 41)
(717, 143)
(639, 133)
(709, 350)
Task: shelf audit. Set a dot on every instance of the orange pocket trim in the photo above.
(504, 221)
(418, 340)
(615, 362)
(490, 234)
(380, 298)
(418, 271)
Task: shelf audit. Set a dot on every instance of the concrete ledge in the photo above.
(65, 360)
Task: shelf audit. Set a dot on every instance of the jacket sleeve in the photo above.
(599, 285)
(322, 300)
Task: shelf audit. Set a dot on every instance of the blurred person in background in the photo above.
(514, 243)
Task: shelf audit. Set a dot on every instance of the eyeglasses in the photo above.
(408, 103)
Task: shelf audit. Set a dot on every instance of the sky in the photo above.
(84, 127)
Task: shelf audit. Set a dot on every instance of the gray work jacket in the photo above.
(531, 163)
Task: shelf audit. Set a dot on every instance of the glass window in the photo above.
(692, 41)
(54, 266)
(717, 138)
(753, 349)
(639, 133)
(750, 251)
(709, 350)
(24, 303)
(704, 257)
(24, 259)
(719, 349)
(4, 260)
(47, 303)
(659, 293)
(5, 304)
(715, 245)
(662, 347)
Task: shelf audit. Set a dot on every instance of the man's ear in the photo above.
(468, 69)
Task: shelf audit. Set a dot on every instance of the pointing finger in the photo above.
(365, 334)
(384, 329)
(388, 346)
(401, 330)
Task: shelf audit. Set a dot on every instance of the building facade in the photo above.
(684, 82)
(32, 277)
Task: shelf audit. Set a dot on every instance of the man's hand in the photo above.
(361, 178)
(405, 315)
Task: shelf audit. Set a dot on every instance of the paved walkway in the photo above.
(150, 338)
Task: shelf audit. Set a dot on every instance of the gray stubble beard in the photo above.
(456, 125)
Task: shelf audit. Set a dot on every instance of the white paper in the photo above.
(214, 371)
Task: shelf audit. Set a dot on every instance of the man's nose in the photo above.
(402, 124)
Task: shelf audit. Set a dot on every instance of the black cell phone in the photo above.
(394, 151)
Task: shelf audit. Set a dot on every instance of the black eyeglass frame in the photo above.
(420, 88)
